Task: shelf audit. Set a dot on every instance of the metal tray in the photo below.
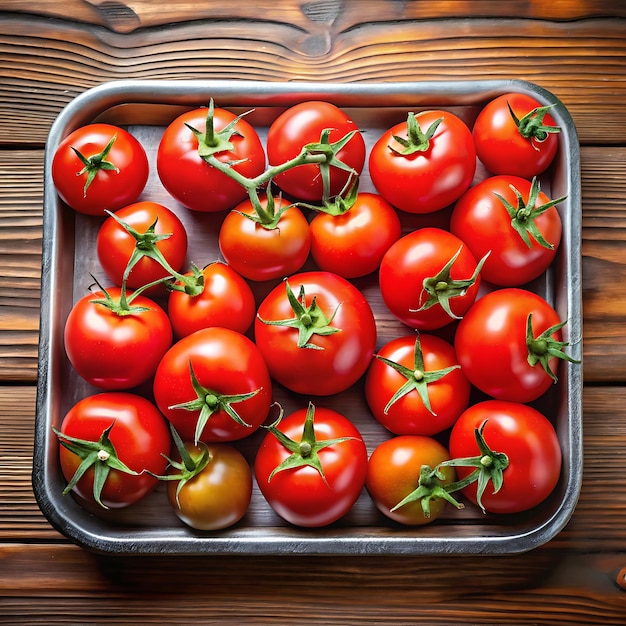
(150, 527)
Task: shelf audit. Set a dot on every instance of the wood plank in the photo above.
(581, 61)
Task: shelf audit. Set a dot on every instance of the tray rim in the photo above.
(87, 105)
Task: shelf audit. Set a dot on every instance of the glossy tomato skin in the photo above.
(353, 244)
(140, 437)
(112, 351)
(481, 220)
(425, 182)
(393, 472)
(344, 356)
(530, 442)
(448, 396)
(422, 254)
(260, 254)
(192, 181)
(109, 189)
(219, 496)
(501, 147)
(226, 300)
(114, 245)
(225, 362)
(300, 495)
(490, 343)
(302, 124)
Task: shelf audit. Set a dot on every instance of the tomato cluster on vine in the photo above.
(293, 214)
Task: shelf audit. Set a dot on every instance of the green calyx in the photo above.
(417, 140)
(442, 288)
(545, 347)
(100, 455)
(308, 320)
(531, 125)
(93, 164)
(303, 452)
(209, 402)
(524, 214)
(417, 379)
(192, 462)
(122, 305)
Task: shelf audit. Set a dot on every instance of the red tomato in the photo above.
(528, 440)
(493, 346)
(139, 438)
(304, 124)
(433, 171)
(111, 348)
(213, 385)
(265, 253)
(226, 300)
(394, 472)
(353, 243)
(189, 178)
(521, 240)
(418, 284)
(416, 386)
(315, 472)
(115, 245)
(316, 332)
(110, 177)
(521, 144)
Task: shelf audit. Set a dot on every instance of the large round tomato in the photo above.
(429, 278)
(514, 134)
(216, 493)
(314, 473)
(116, 244)
(113, 348)
(226, 300)
(415, 386)
(397, 467)
(213, 385)
(352, 244)
(508, 218)
(421, 171)
(494, 345)
(261, 252)
(304, 124)
(130, 429)
(112, 172)
(528, 440)
(316, 332)
(185, 173)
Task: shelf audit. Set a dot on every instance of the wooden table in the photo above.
(576, 49)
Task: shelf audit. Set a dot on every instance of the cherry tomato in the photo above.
(304, 124)
(424, 283)
(137, 437)
(213, 385)
(113, 345)
(315, 472)
(493, 344)
(214, 495)
(265, 253)
(115, 245)
(432, 171)
(316, 332)
(113, 173)
(394, 471)
(189, 178)
(353, 243)
(415, 385)
(528, 440)
(508, 218)
(226, 300)
(521, 140)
